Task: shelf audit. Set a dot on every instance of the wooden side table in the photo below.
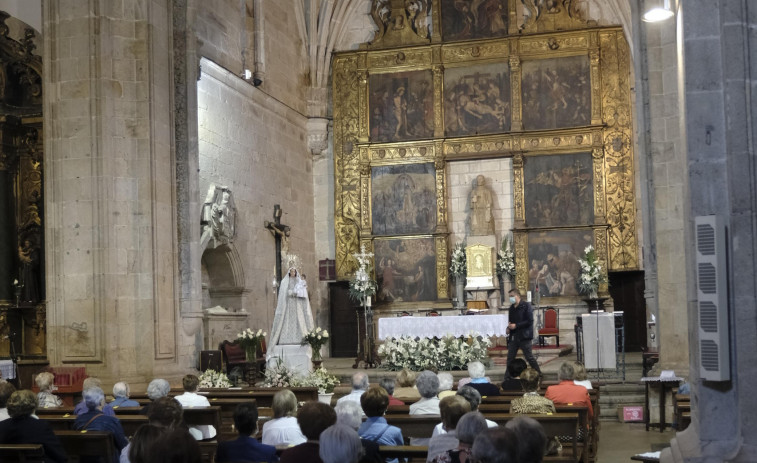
(664, 386)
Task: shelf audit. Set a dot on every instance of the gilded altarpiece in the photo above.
(552, 93)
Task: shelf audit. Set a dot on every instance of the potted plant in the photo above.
(316, 338)
(249, 341)
(591, 273)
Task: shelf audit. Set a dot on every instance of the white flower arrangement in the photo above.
(281, 376)
(320, 379)
(591, 272)
(212, 378)
(447, 353)
(506, 260)
(316, 338)
(457, 261)
(248, 338)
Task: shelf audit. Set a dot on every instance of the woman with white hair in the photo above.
(45, 397)
(350, 414)
(340, 444)
(95, 420)
(283, 428)
(121, 394)
(157, 389)
(428, 387)
(445, 385)
(479, 381)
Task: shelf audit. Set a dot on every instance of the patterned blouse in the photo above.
(48, 400)
(531, 402)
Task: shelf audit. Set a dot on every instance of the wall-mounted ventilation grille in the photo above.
(712, 294)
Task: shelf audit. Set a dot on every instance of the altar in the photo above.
(429, 327)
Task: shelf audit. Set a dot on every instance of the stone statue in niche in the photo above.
(218, 217)
(481, 201)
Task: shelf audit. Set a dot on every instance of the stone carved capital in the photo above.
(318, 134)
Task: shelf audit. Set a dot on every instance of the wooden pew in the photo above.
(22, 453)
(208, 450)
(79, 444)
(130, 423)
(263, 395)
(55, 411)
(682, 410)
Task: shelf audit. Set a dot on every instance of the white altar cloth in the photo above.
(429, 327)
(605, 357)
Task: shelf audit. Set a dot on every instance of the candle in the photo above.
(368, 301)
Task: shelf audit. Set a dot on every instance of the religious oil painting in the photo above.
(553, 261)
(477, 99)
(473, 19)
(556, 93)
(405, 269)
(559, 190)
(403, 199)
(401, 106)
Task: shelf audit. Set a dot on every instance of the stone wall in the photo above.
(255, 145)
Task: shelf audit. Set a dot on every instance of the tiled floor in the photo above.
(618, 442)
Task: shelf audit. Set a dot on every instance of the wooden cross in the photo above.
(281, 233)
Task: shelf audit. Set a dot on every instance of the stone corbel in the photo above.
(318, 134)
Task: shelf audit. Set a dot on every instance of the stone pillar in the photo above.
(110, 217)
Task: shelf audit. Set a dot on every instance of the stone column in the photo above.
(110, 216)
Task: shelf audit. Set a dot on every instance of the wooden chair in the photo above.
(234, 356)
(551, 326)
(18, 453)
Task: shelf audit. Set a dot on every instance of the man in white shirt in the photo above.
(190, 398)
(359, 386)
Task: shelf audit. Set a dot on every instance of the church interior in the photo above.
(163, 162)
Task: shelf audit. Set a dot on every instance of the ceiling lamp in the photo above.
(658, 10)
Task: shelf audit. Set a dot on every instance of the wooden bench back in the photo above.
(130, 423)
(79, 444)
(26, 453)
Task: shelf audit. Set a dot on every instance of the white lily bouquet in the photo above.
(249, 340)
(362, 286)
(281, 376)
(506, 260)
(322, 380)
(316, 338)
(591, 273)
(446, 353)
(212, 378)
(457, 261)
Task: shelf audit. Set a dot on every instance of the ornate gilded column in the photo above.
(8, 161)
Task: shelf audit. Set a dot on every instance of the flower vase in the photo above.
(325, 397)
(460, 291)
(317, 359)
(252, 353)
(593, 294)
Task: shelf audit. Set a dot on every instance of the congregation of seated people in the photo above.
(352, 431)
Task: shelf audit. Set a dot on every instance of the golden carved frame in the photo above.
(608, 137)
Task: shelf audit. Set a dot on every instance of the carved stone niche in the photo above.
(223, 282)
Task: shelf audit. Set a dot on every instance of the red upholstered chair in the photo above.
(404, 313)
(551, 325)
(235, 356)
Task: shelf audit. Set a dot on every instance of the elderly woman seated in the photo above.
(405, 389)
(90, 382)
(470, 425)
(375, 428)
(340, 444)
(283, 428)
(45, 397)
(474, 399)
(479, 381)
(445, 385)
(158, 388)
(495, 445)
(121, 394)
(453, 408)
(23, 428)
(351, 414)
(428, 387)
(95, 420)
(531, 402)
(532, 440)
(389, 384)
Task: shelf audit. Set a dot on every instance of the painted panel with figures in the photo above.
(553, 261)
(401, 106)
(403, 199)
(405, 269)
(477, 99)
(556, 93)
(473, 19)
(559, 190)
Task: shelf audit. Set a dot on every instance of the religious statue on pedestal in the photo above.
(293, 317)
(482, 221)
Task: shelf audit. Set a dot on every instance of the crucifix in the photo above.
(281, 233)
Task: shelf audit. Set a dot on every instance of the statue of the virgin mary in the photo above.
(293, 317)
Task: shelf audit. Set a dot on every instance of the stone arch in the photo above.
(223, 279)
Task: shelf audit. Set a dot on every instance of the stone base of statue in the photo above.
(294, 356)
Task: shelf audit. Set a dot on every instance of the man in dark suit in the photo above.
(22, 428)
(521, 330)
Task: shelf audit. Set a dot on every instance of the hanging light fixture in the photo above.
(658, 10)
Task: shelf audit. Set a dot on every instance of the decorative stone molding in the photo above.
(318, 134)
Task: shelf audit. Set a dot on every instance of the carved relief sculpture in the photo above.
(481, 202)
(218, 217)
